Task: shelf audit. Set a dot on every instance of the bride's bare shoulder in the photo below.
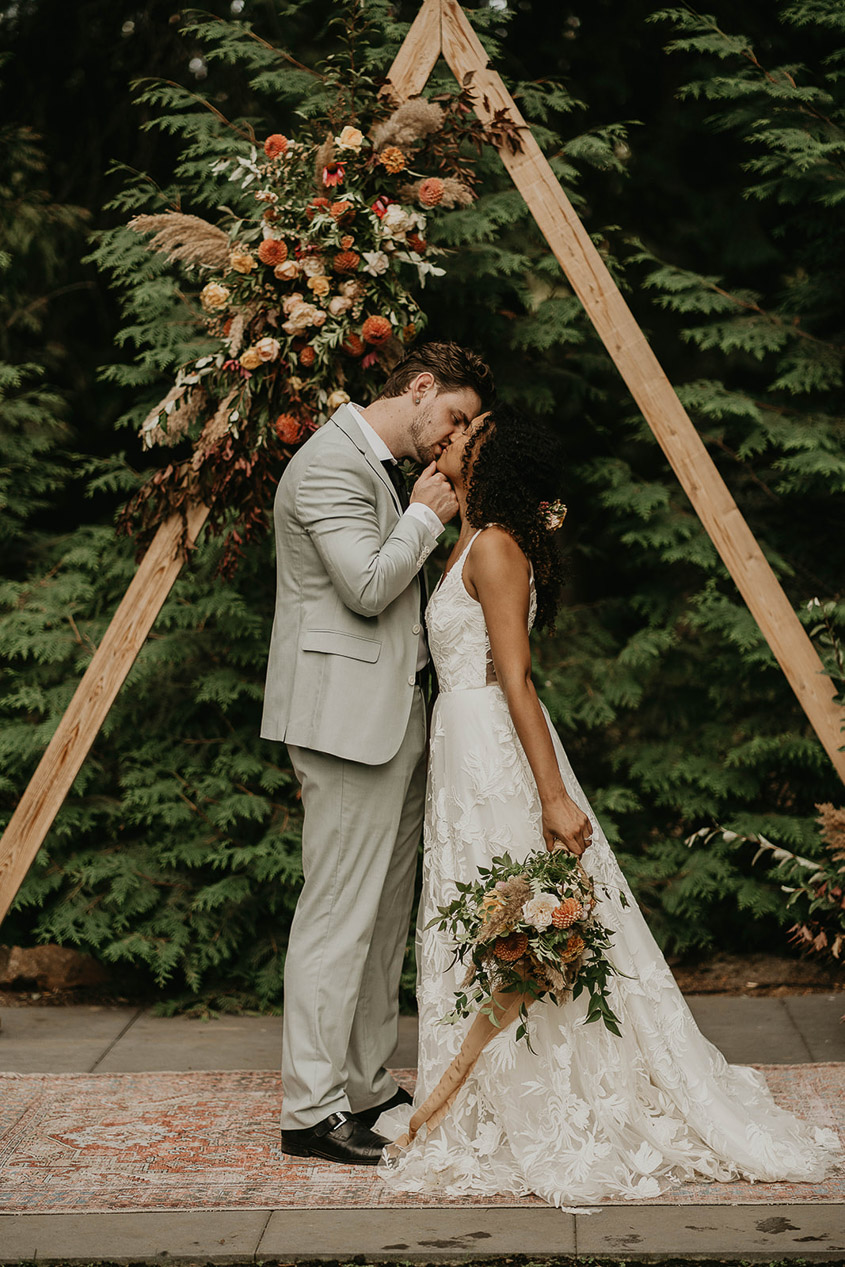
(496, 548)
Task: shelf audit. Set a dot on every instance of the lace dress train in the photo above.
(587, 1115)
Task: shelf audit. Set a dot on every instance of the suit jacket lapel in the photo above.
(345, 419)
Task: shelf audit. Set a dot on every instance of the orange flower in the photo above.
(409, 333)
(431, 191)
(567, 913)
(341, 210)
(346, 261)
(352, 345)
(416, 243)
(347, 242)
(510, 948)
(392, 159)
(289, 428)
(315, 205)
(272, 251)
(573, 948)
(490, 904)
(307, 356)
(376, 330)
(275, 145)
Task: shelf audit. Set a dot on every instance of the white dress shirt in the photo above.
(424, 513)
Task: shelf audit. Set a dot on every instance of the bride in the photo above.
(586, 1115)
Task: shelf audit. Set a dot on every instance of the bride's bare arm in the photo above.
(497, 574)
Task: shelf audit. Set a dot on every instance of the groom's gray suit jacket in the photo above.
(343, 652)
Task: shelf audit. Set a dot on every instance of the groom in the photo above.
(343, 692)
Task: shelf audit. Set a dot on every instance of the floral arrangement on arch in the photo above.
(310, 301)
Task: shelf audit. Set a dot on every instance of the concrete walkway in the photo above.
(787, 1030)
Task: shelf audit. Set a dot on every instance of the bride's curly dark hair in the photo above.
(518, 464)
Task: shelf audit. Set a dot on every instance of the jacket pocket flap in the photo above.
(331, 642)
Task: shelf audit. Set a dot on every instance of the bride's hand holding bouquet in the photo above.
(565, 825)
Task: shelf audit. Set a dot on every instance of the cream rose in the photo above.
(288, 271)
(349, 139)
(353, 288)
(337, 399)
(214, 296)
(268, 349)
(292, 301)
(395, 222)
(339, 304)
(319, 285)
(538, 911)
(313, 266)
(375, 263)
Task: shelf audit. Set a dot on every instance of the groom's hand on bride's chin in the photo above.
(432, 489)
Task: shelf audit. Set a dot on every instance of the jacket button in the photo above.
(411, 680)
(415, 629)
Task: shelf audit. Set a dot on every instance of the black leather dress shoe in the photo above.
(339, 1137)
(370, 1116)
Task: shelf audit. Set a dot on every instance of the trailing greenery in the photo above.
(176, 855)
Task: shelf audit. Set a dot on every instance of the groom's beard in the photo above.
(424, 449)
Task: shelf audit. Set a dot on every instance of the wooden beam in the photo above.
(417, 57)
(639, 367)
(91, 702)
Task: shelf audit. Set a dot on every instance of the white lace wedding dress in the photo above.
(587, 1115)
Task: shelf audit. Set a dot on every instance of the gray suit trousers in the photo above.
(344, 961)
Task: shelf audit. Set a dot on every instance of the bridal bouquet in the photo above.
(529, 929)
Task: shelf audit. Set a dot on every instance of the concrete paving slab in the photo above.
(819, 1019)
(180, 1042)
(750, 1031)
(812, 1233)
(60, 1039)
(221, 1236)
(427, 1235)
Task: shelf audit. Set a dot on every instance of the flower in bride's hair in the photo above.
(540, 909)
(552, 515)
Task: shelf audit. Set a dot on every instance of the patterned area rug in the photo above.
(101, 1143)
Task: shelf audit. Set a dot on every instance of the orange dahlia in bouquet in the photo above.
(530, 929)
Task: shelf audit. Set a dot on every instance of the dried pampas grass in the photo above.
(214, 430)
(410, 122)
(831, 822)
(187, 407)
(186, 238)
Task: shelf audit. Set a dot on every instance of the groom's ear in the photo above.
(424, 382)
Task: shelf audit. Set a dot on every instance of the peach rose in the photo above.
(337, 399)
(338, 305)
(349, 139)
(241, 261)
(319, 286)
(250, 359)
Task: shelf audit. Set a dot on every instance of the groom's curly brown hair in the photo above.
(510, 466)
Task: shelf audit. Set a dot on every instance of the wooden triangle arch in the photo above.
(441, 27)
